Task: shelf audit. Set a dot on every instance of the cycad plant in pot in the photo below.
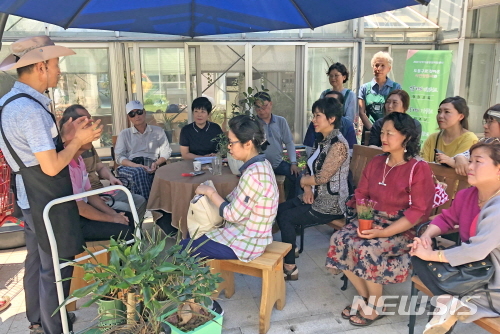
(365, 209)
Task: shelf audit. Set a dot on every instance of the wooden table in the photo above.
(172, 192)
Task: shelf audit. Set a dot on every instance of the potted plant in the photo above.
(365, 208)
(149, 274)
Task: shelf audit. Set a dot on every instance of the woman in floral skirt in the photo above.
(379, 256)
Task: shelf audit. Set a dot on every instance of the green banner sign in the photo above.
(426, 81)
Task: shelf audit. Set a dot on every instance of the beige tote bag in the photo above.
(203, 216)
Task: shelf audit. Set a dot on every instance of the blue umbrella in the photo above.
(197, 17)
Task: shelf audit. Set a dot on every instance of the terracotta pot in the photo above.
(365, 224)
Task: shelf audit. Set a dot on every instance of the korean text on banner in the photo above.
(426, 80)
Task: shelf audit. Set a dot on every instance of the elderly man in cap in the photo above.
(140, 150)
(34, 150)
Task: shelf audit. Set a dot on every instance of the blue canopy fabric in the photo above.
(196, 17)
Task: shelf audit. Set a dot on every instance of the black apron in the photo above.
(41, 189)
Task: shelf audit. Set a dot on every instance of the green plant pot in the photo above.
(211, 327)
(111, 313)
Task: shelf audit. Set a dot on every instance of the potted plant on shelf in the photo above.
(365, 208)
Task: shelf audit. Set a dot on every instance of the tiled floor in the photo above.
(313, 304)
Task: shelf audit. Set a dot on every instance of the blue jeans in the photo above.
(284, 169)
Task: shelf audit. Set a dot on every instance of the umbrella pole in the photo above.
(3, 22)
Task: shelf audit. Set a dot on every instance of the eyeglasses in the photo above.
(262, 106)
(231, 143)
(488, 121)
(135, 112)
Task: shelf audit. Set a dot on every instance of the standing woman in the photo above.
(249, 210)
(338, 76)
(372, 95)
(325, 183)
(373, 258)
(453, 137)
(196, 137)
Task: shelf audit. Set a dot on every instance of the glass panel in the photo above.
(421, 36)
(319, 59)
(412, 19)
(451, 82)
(164, 89)
(222, 78)
(274, 69)
(434, 10)
(488, 22)
(339, 29)
(18, 27)
(479, 71)
(85, 80)
(450, 15)
(382, 20)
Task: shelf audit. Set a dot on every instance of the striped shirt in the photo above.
(249, 211)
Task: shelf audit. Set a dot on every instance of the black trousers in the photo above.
(420, 268)
(39, 287)
(292, 213)
(39, 283)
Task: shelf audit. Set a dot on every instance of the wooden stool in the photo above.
(269, 266)
(280, 180)
(77, 281)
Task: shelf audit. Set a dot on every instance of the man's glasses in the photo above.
(135, 112)
(262, 106)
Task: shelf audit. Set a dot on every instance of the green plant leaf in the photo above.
(82, 292)
(167, 267)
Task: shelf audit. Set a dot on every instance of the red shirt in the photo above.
(395, 195)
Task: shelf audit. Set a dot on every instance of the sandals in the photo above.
(365, 321)
(4, 302)
(444, 322)
(292, 274)
(348, 308)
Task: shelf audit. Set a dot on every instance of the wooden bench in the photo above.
(268, 266)
(77, 281)
(491, 325)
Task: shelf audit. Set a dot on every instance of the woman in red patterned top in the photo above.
(379, 256)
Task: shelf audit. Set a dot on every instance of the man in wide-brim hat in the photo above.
(34, 150)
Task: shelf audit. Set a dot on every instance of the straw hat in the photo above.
(32, 50)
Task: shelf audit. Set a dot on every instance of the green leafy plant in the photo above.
(365, 208)
(222, 144)
(182, 124)
(245, 105)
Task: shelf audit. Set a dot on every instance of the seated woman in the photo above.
(325, 182)
(196, 137)
(397, 101)
(453, 137)
(98, 221)
(346, 127)
(477, 212)
(250, 209)
(491, 124)
(376, 257)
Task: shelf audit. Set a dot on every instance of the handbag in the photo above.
(203, 215)
(440, 195)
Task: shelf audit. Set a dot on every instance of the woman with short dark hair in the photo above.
(376, 257)
(196, 137)
(249, 210)
(338, 75)
(397, 101)
(325, 182)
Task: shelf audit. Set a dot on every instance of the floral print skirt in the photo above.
(379, 260)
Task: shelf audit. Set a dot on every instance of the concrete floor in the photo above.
(313, 304)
